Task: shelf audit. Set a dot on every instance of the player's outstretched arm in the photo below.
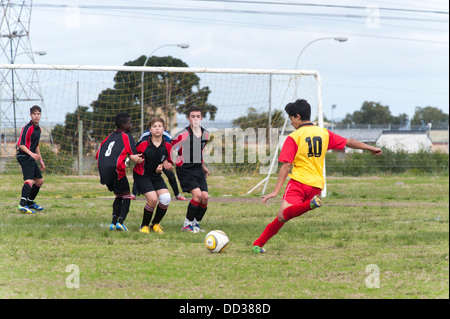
(284, 172)
(352, 143)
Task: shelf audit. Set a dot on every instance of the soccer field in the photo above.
(375, 237)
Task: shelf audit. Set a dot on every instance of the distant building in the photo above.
(408, 141)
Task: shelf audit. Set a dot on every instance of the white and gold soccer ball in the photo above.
(216, 241)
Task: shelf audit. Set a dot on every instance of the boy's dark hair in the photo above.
(121, 119)
(35, 108)
(300, 107)
(194, 109)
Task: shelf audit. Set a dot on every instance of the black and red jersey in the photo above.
(190, 147)
(29, 136)
(112, 154)
(153, 156)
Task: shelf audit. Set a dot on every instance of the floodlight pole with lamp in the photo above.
(12, 82)
(180, 45)
(266, 180)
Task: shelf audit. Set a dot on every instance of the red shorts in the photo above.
(297, 193)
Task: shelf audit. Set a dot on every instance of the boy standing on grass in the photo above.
(147, 177)
(304, 151)
(191, 170)
(27, 154)
(111, 157)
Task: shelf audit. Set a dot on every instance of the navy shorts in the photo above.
(30, 169)
(119, 186)
(192, 178)
(146, 184)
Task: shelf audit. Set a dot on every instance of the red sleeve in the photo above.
(169, 151)
(336, 142)
(28, 136)
(289, 150)
(141, 147)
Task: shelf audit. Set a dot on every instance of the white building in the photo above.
(408, 141)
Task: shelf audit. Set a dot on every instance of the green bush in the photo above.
(60, 163)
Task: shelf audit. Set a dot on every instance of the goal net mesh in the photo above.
(243, 110)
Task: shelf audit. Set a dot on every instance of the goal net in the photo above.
(243, 110)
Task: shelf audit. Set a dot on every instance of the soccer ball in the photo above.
(216, 241)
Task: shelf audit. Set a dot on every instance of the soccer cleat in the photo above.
(179, 197)
(315, 202)
(157, 229)
(258, 250)
(190, 229)
(36, 206)
(25, 209)
(112, 227)
(145, 230)
(121, 227)
(198, 228)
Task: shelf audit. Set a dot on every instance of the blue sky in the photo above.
(396, 54)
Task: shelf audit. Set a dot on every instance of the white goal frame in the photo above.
(313, 73)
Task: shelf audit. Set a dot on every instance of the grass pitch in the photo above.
(375, 237)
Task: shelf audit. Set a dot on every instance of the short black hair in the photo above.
(121, 119)
(194, 109)
(300, 107)
(35, 108)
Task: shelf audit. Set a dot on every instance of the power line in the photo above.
(240, 11)
(324, 5)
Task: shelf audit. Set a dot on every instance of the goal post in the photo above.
(243, 109)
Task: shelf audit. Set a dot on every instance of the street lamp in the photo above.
(180, 45)
(12, 83)
(339, 39)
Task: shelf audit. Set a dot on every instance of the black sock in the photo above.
(192, 210)
(124, 209)
(201, 212)
(147, 217)
(160, 212)
(26, 189)
(33, 193)
(116, 209)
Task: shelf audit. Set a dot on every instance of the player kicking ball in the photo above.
(304, 152)
(191, 170)
(111, 158)
(147, 175)
(27, 154)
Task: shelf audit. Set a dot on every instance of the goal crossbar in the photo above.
(155, 69)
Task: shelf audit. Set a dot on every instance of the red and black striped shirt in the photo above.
(29, 136)
(190, 147)
(111, 156)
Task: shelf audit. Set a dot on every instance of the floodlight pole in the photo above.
(339, 39)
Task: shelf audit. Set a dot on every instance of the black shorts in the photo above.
(192, 178)
(119, 186)
(30, 169)
(146, 184)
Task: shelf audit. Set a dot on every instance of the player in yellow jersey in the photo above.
(304, 152)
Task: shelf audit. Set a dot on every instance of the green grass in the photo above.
(399, 223)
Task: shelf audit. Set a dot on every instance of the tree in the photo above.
(253, 119)
(429, 114)
(374, 113)
(66, 136)
(170, 92)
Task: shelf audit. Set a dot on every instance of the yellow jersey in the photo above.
(306, 148)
